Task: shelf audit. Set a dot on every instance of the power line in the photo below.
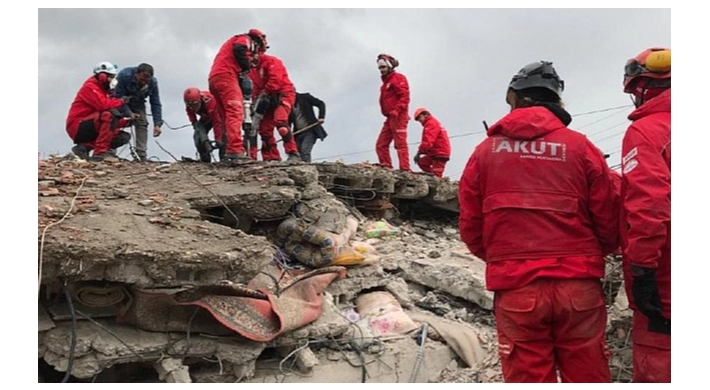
(599, 120)
(608, 128)
(483, 132)
(611, 136)
(604, 110)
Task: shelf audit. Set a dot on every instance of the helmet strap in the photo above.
(648, 89)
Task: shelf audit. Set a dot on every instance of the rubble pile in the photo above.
(263, 272)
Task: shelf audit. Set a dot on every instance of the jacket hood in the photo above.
(531, 122)
(661, 103)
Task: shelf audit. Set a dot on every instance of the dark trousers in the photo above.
(305, 143)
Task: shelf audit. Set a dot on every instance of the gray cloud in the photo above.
(458, 63)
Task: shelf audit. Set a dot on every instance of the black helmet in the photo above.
(538, 74)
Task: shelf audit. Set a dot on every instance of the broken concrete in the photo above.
(172, 370)
(460, 275)
(394, 363)
(180, 225)
(104, 343)
(373, 188)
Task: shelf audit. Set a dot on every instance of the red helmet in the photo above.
(419, 111)
(390, 61)
(260, 38)
(653, 63)
(192, 97)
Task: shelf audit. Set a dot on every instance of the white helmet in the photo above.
(106, 67)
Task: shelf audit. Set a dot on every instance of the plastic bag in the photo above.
(379, 229)
(348, 256)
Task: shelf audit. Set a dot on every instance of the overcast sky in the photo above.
(458, 63)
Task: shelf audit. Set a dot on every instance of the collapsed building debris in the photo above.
(261, 272)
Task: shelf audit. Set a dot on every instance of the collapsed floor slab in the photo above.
(102, 344)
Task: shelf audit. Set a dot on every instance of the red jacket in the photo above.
(394, 95)
(234, 56)
(435, 139)
(92, 97)
(208, 114)
(536, 199)
(646, 194)
(272, 77)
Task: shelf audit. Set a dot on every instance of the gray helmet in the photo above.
(106, 67)
(538, 74)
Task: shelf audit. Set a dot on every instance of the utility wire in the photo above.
(201, 185)
(603, 110)
(44, 231)
(483, 132)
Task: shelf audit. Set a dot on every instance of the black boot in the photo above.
(81, 151)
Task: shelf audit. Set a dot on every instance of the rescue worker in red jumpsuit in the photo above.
(646, 213)
(394, 105)
(538, 206)
(202, 104)
(229, 82)
(275, 96)
(435, 148)
(94, 122)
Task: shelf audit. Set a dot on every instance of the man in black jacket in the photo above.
(305, 126)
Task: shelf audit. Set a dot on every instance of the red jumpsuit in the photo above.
(435, 147)
(538, 204)
(234, 57)
(394, 105)
(272, 80)
(89, 121)
(646, 226)
(209, 115)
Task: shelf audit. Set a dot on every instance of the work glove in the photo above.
(245, 83)
(645, 291)
(417, 157)
(275, 100)
(200, 137)
(262, 105)
(249, 130)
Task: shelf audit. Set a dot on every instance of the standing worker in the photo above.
(306, 128)
(538, 206)
(435, 149)
(394, 105)
(229, 83)
(138, 83)
(646, 213)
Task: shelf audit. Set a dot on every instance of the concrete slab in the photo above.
(459, 274)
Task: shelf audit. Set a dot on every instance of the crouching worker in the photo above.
(94, 122)
(275, 98)
(435, 148)
(202, 104)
